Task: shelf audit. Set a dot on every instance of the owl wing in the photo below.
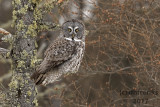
(61, 50)
(57, 53)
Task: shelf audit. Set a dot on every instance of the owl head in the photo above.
(73, 30)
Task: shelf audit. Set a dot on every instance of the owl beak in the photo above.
(73, 37)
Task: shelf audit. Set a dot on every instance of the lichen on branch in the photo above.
(27, 21)
(25, 18)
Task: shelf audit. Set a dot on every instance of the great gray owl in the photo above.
(63, 55)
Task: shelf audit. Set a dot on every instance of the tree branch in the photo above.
(4, 51)
(4, 32)
(7, 35)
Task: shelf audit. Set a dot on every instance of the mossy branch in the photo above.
(49, 26)
(22, 89)
(27, 21)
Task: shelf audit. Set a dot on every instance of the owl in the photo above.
(64, 55)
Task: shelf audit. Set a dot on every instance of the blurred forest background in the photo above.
(122, 53)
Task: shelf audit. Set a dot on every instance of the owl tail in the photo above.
(45, 78)
(40, 74)
(38, 77)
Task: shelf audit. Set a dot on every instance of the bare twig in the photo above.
(6, 34)
(3, 51)
(7, 24)
(48, 26)
(6, 76)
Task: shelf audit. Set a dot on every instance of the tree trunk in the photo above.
(22, 88)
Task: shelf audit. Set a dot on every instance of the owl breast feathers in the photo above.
(63, 55)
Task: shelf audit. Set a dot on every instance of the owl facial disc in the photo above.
(70, 29)
(73, 30)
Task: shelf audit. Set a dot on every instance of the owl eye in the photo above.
(76, 30)
(69, 29)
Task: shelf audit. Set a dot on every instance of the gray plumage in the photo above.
(63, 55)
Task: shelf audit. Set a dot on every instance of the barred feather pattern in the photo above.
(50, 70)
(62, 56)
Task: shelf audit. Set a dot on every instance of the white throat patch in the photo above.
(68, 39)
(76, 40)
